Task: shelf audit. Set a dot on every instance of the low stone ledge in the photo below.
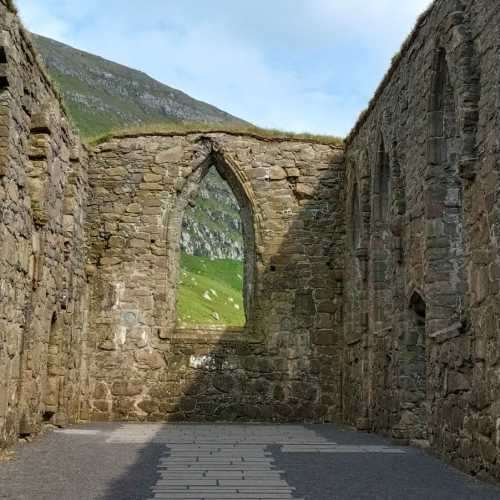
(448, 333)
(214, 335)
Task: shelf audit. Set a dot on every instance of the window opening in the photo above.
(212, 262)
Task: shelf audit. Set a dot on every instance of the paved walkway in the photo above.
(227, 462)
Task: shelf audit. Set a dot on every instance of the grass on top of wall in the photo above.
(174, 128)
(11, 6)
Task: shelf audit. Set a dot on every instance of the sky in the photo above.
(296, 65)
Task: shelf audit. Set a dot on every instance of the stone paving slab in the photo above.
(228, 462)
(229, 471)
(225, 452)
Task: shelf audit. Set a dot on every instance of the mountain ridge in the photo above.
(103, 95)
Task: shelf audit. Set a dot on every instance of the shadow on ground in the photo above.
(136, 482)
(369, 476)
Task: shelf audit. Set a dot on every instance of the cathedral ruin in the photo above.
(372, 270)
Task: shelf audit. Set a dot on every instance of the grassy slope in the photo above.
(102, 95)
(200, 275)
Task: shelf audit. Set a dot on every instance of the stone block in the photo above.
(152, 178)
(172, 155)
(304, 303)
(292, 173)
(41, 123)
(324, 337)
(134, 208)
(152, 360)
(327, 306)
(149, 406)
(304, 191)
(277, 173)
(136, 243)
(457, 382)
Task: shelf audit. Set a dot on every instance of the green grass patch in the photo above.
(176, 128)
(11, 5)
(210, 293)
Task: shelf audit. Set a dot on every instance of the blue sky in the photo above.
(298, 65)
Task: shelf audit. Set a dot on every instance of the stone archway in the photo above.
(445, 228)
(381, 237)
(240, 186)
(413, 375)
(53, 382)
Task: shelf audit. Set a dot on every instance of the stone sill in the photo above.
(448, 333)
(215, 335)
(382, 331)
(354, 340)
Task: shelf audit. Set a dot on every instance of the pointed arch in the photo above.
(382, 182)
(417, 304)
(381, 244)
(413, 370)
(54, 382)
(240, 186)
(445, 245)
(357, 223)
(444, 131)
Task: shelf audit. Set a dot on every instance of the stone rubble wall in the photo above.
(422, 308)
(43, 288)
(284, 365)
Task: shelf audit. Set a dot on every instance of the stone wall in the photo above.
(421, 348)
(284, 365)
(42, 246)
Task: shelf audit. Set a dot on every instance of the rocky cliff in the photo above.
(212, 228)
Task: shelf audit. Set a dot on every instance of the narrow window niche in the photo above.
(356, 220)
(211, 287)
(53, 369)
(413, 369)
(383, 180)
(446, 272)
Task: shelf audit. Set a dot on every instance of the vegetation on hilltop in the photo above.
(11, 6)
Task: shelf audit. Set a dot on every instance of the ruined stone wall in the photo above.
(372, 278)
(421, 342)
(42, 246)
(284, 365)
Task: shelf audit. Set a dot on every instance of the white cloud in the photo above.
(292, 64)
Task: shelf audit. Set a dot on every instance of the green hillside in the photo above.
(210, 292)
(102, 95)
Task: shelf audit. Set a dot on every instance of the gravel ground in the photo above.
(115, 462)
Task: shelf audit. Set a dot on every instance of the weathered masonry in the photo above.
(283, 365)
(421, 324)
(43, 284)
(372, 271)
